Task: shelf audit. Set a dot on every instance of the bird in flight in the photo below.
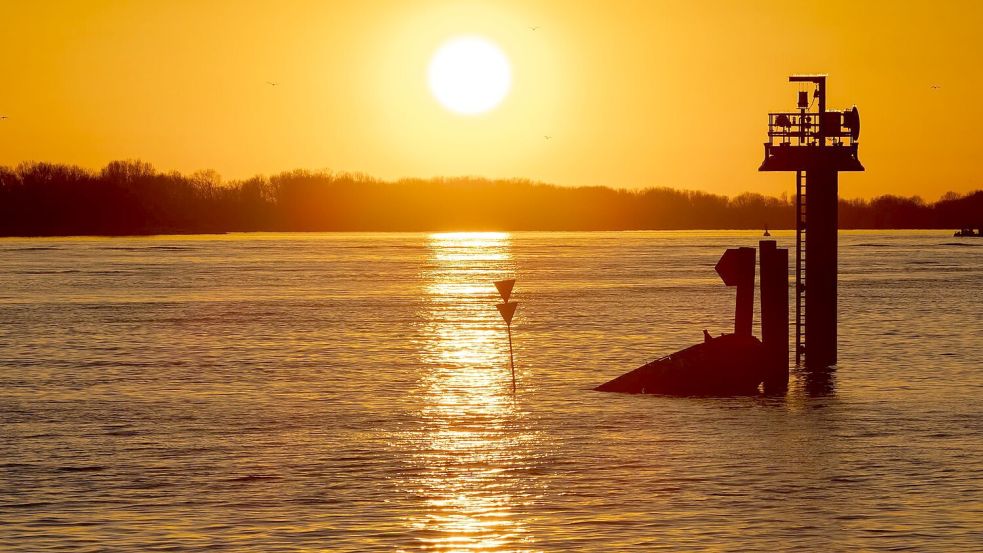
(936, 86)
(547, 137)
(2, 117)
(534, 28)
(271, 83)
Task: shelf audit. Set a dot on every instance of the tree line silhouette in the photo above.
(131, 197)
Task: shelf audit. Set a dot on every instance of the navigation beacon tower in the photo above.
(817, 144)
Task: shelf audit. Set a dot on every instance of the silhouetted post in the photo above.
(774, 314)
(508, 329)
(736, 268)
(821, 270)
(507, 310)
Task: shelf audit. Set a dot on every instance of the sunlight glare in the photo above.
(469, 75)
(473, 437)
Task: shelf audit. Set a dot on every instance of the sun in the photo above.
(469, 75)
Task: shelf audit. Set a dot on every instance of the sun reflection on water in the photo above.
(473, 445)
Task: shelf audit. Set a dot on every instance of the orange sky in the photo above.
(646, 93)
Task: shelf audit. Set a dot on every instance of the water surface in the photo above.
(351, 392)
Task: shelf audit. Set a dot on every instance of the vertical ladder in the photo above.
(800, 265)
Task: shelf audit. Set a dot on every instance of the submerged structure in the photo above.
(816, 144)
(731, 364)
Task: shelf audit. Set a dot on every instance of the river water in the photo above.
(352, 392)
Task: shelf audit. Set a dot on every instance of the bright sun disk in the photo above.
(469, 75)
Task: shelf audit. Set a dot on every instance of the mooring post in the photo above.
(774, 314)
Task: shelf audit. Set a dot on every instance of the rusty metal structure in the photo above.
(815, 143)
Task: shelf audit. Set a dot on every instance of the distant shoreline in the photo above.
(131, 198)
(944, 233)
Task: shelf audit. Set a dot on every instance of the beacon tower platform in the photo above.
(817, 144)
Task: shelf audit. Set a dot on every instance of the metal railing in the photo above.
(806, 129)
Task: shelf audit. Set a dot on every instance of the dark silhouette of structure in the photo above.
(507, 310)
(774, 313)
(736, 268)
(730, 364)
(817, 145)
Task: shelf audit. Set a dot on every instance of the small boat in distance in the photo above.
(968, 232)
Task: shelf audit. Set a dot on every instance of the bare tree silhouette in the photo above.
(131, 197)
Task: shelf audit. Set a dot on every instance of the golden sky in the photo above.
(647, 93)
